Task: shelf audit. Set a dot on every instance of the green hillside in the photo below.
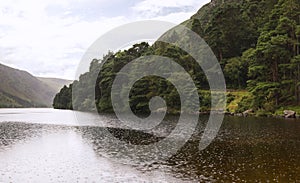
(20, 89)
(255, 41)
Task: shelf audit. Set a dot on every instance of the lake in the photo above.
(47, 145)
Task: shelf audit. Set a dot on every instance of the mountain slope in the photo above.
(255, 41)
(55, 83)
(230, 27)
(21, 89)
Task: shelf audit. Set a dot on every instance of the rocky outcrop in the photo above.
(239, 114)
(289, 114)
(247, 113)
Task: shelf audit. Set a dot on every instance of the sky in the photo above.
(49, 37)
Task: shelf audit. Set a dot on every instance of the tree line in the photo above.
(255, 41)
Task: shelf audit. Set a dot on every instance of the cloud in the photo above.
(154, 8)
(49, 37)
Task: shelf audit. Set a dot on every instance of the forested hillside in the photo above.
(255, 41)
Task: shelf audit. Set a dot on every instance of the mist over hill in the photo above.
(21, 89)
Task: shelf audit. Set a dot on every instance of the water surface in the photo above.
(47, 145)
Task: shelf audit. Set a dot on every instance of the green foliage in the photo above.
(63, 100)
(230, 98)
(205, 100)
(236, 72)
(274, 71)
(256, 42)
(8, 102)
(246, 103)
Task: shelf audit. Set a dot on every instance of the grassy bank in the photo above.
(236, 104)
(234, 98)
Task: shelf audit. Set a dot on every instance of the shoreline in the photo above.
(277, 114)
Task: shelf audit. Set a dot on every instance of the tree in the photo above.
(236, 72)
(63, 100)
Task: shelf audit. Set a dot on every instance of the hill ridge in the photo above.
(19, 88)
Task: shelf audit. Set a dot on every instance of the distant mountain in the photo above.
(21, 89)
(55, 83)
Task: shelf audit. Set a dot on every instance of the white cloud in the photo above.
(152, 8)
(48, 37)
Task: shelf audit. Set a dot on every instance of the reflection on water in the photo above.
(246, 149)
(45, 153)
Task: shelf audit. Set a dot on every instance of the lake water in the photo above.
(47, 145)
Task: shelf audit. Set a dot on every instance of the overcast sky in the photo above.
(48, 37)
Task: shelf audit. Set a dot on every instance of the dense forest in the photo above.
(257, 43)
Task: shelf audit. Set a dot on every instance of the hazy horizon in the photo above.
(48, 38)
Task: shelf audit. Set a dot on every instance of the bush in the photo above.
(230, 98)
(245, 104)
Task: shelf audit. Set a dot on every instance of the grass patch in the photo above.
(234, 98)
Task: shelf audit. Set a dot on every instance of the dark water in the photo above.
(247, 150)
(45, 145)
